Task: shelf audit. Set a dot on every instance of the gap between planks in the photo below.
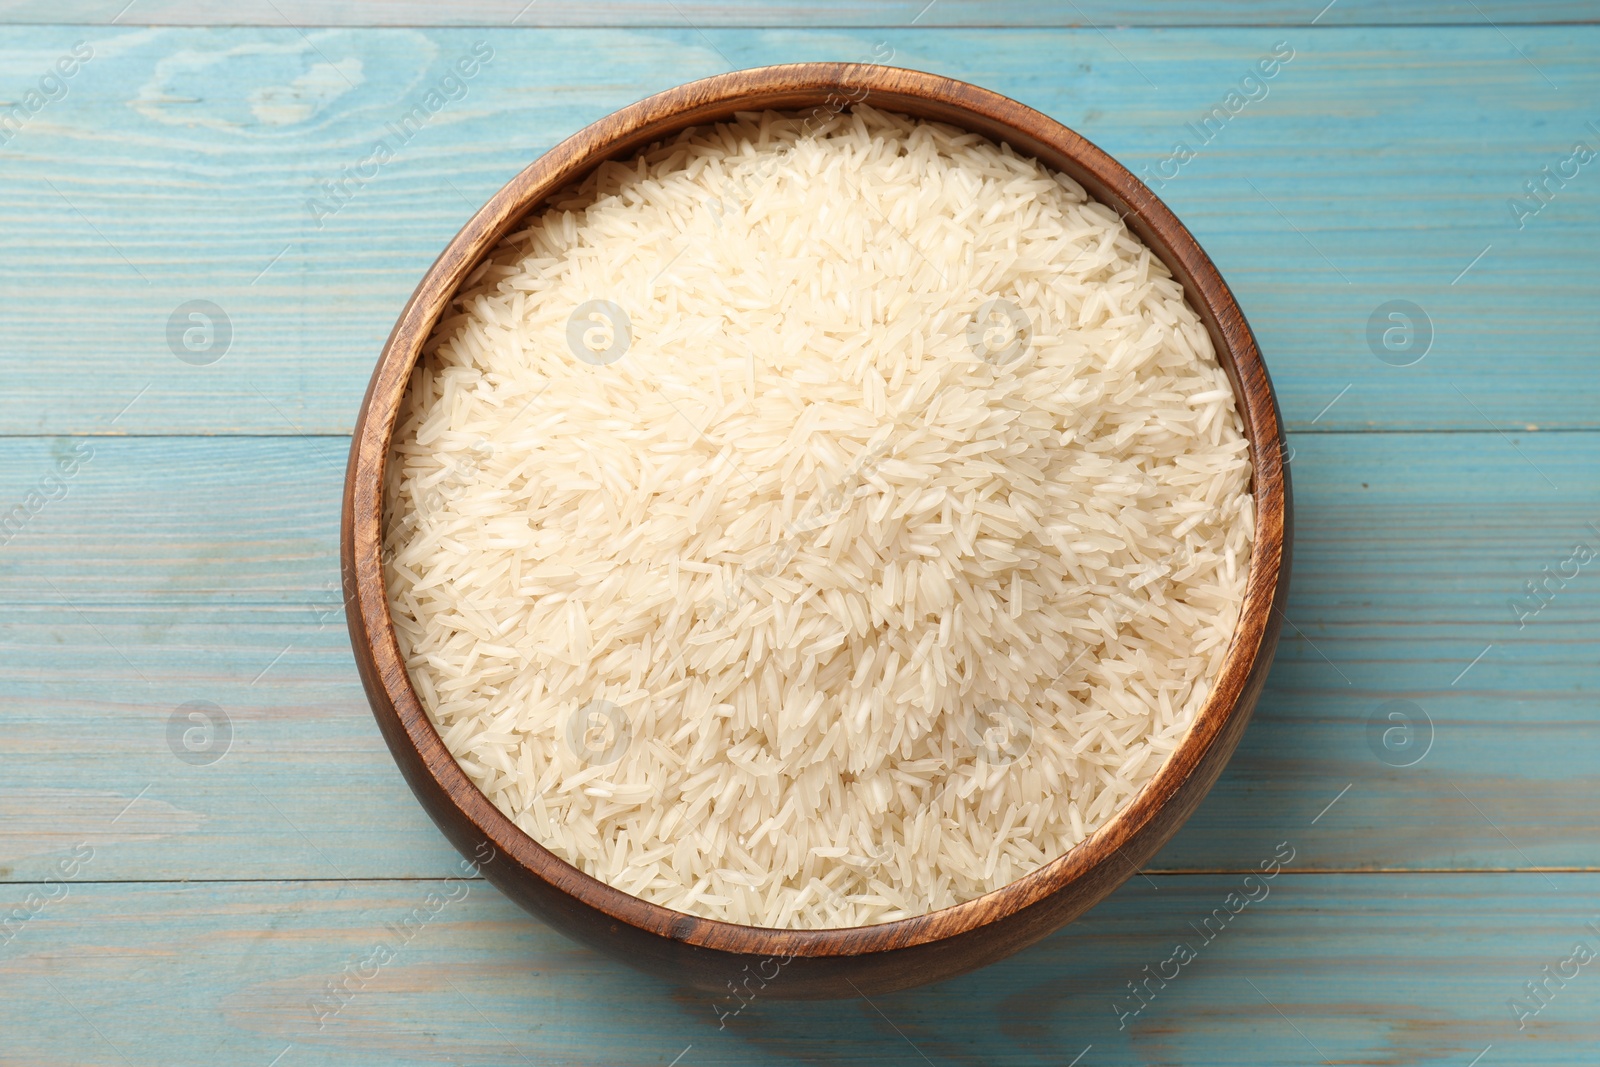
(319, 435)
(1189, 873)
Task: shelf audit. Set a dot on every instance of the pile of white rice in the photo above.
(868, 545)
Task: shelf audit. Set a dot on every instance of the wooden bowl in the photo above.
(718, 956)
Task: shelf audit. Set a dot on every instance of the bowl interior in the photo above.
(1132, 834)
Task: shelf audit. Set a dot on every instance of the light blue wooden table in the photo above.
(170, 506)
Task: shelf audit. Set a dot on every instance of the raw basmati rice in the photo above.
(817, 525)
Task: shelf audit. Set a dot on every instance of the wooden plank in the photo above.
(1396, 969)
(180, 163)
(705, 14)
(186, 569)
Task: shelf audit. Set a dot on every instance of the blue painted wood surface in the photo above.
(1377, 167)
(767, 13)
(178, 547)
(1377, 969)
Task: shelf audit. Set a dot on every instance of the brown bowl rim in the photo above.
(780, 88)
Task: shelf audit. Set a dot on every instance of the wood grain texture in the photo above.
(703, 14)
(1392, 152)
(1378, 167)
(1376, 969)
(1409, 549)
